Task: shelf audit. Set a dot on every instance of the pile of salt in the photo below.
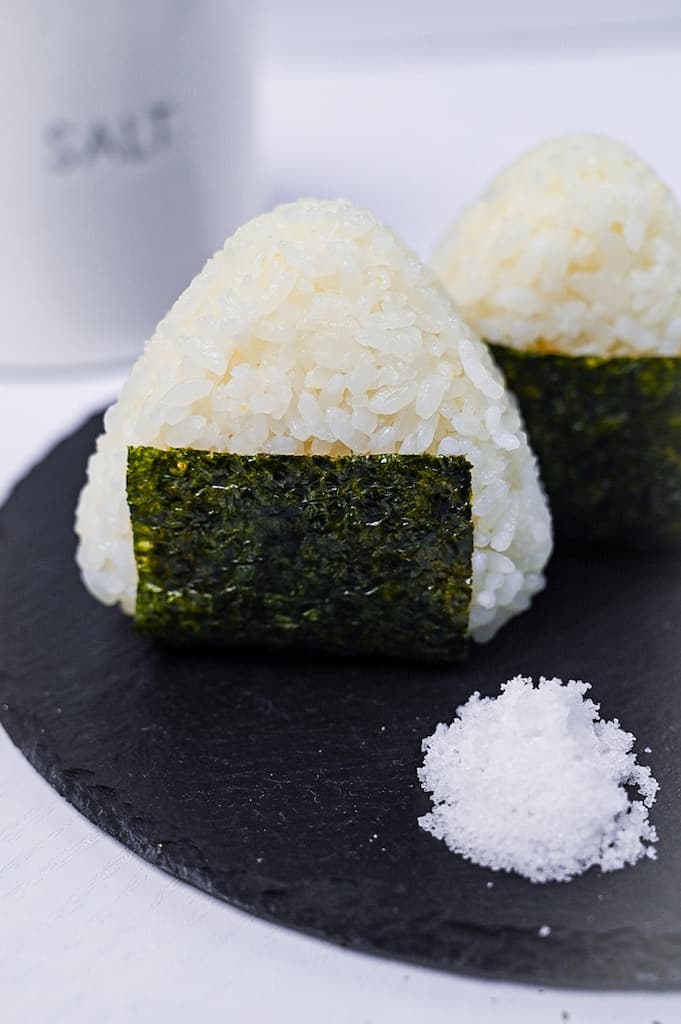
(533, 781)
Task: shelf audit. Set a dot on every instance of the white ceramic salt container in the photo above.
(126, 163)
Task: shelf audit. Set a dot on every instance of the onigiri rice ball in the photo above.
(316, 331)
(569, 264)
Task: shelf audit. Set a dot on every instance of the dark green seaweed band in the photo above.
(358, 554)
(607, 434)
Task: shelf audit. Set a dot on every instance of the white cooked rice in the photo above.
(575, 248)
(315, 330)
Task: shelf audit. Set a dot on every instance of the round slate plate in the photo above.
(287, 786)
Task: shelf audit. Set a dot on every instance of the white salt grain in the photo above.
(533, 781)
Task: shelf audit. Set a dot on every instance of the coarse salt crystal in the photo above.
(533, 781)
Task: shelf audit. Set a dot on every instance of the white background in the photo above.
(414, 115)
(408, 108)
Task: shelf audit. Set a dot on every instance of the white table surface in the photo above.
(88, 932)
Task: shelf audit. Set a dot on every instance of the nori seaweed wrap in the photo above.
(362, 554)
(607, 433)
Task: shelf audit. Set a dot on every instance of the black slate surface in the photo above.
(287, 785)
